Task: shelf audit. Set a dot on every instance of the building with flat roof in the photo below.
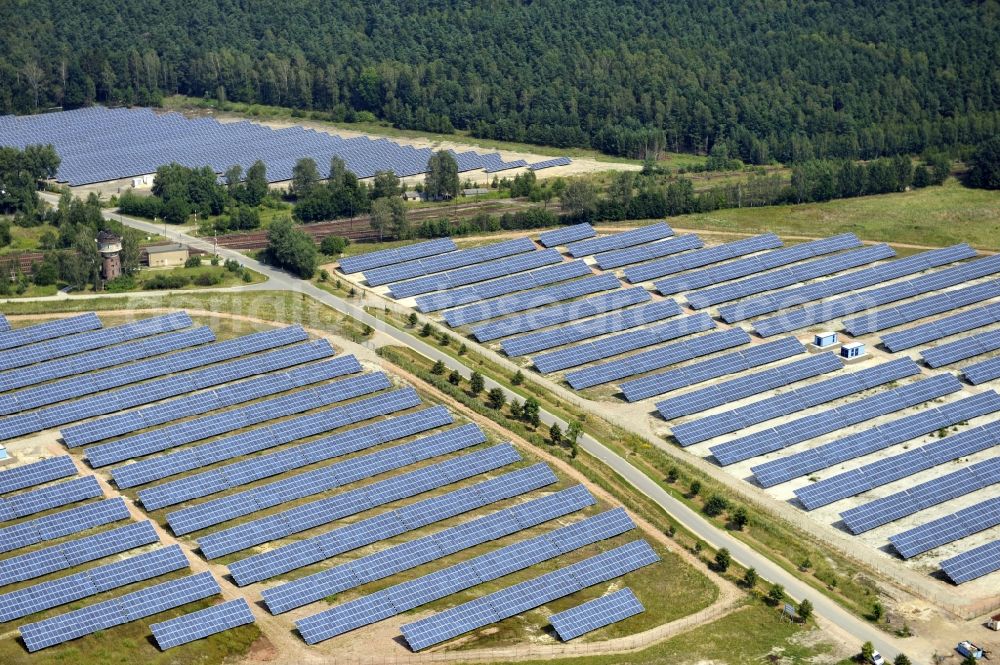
(167, 256)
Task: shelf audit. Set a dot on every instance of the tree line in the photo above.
(777, 81)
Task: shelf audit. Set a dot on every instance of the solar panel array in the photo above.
(949, 325)
(117, 611)
(621, 257)
(109, 401)
(982, 372)
(398, 272)
(858, 302)
(730, 363)
(967, 347)
(57, 525)
(597, 613)
(97, 144)
(387, 257)
(53, 593)
(48, 330)
(203, 427)
(792, 401)
(477, 273)
(460, 576)
(566, 235)
(519, 302)
(264, 438)
(658, 358)
(549, 163)
(70, 344)
(620, 240)
(392, 523)
(919, 309)
(433, 302)
(747, 385)
(701, 258)
(799, 430)
(202, 623)
(413, 553)
(755, 264)
(777, 279)
(516, 599)
(618, 344)
(51, 496)
(4, 326)
(974, 563)
(551, 316)
(922, 496)
(886, 470)
(36, 473)
(218, 398)
(965, 522)
(876, 438)
(75, 552)
(609, 323)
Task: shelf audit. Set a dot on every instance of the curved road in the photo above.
(693, 521)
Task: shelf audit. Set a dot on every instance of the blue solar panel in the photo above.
(566, 235)
(730, 363)
(961, 349)
(64, 523)
(982, 372)
(700, 258)
(549, 163)
(202, 623)
(604, 611)
(943, 327)
(620, 240)
(922, 308)
(449, 261)
(36, 473)
(621, 257)
(4, 326)
(481, 272)
(388, 257)
(960, 524)
(48, 330)
(792, 401)
(658, 358)
(51, 496)
(974, 563)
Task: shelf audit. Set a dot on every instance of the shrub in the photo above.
(193, 261)
(715, 505)
(160, 282)
(208, 278)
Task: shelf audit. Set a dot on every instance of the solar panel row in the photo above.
(398, 272)
(387, 257)
(519, 302)
(755, 264)
(551, 316)
(75, 552)
(974, 563)
(601, 325)
(949, 325)
(203, 427)
(478, 273)
(389, 524)
(109, 401)
(46, 498)
(967, 347)
(777, 279)
(658, 358)
(922, 308)
(70, 344)
(231, 394)
(653, 250)
(519, 598)
(747, 385)
(982, 372)
(264, 438)
(117, 611)
(597, 613)
(202, 623)
(463, 575)
(48, 330)
(114, 355)
(413, 553)
(965, 522)
(620, 240)
(4, 326)
(919, 497)
(859, 302)
(566, 235)
(53, 593)
(792, 401)
(801, 429)
(549, 163)
(701, 258)
(36, 473)
(730, 363)
(876, 474)
(57, 525)
(617, 344)
(876, 438)
(433, 302)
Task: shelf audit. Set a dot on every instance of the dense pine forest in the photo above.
(784, 80)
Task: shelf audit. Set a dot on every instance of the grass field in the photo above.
(26, 239)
